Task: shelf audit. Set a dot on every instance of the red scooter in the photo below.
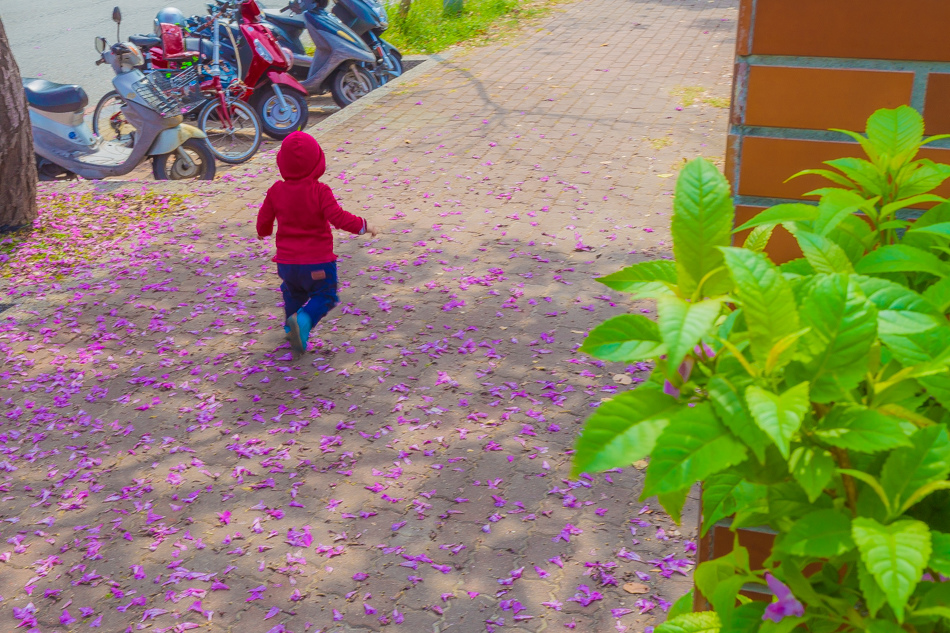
(279, 100)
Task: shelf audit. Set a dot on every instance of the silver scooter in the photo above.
(340, 59)
(66, 148)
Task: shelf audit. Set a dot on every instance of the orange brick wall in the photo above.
(805, 66)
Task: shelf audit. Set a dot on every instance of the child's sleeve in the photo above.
(337, 216)
(265, 217)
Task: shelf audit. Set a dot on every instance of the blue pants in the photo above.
(310, 287)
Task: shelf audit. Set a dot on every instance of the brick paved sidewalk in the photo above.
(166, 464)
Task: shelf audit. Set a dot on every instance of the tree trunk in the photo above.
(404, 6)
(17, 162)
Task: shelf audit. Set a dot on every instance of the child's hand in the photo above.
(260, 238)
(372, 229)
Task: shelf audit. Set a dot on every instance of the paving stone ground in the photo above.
(167, 466)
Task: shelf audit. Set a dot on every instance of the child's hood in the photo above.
(300, 156)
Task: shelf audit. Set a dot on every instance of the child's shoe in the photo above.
(297, 342)
(305, 324)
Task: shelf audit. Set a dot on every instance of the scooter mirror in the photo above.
(116, 15)
(101, 45)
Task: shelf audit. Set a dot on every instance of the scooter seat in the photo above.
(278, 18)
(146, 41)
(49, 97)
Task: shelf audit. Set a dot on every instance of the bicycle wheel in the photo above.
(232, 144)
(108, 122)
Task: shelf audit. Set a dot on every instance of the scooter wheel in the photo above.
(279, 122)
(351, 82)
(173, 166)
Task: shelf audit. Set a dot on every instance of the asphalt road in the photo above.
(54, 39)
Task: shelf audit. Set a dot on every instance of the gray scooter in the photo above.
(65, 147)
(339, 63)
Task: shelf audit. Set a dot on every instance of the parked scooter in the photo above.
(342, 63)
(278, 98)
(65, 147)
(366, 18)
(210, 91)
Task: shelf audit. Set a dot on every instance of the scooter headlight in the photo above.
(381, 14)
(288, 57)
(263, 52)
(134, 54)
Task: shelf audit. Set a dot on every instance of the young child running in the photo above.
(305, 209)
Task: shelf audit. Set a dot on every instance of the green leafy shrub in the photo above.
(810, 397)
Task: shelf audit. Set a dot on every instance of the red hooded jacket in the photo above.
(304, 207)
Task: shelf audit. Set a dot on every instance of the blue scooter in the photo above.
(355, 24)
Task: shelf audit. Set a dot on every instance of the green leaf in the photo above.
(874, 597)
(903, 322)
(673, 503)
(797, 267)
(693, 446)
(941, 229)
(895, 554)
(642, 276)
(833, 208)
(933, 612)
(940, 559)
(899, 258)
(843, 326)
(872, 483)
(824, 255)
(920, 347)
(934, 215)
(787, 625)
(854, 237)
(702, 221)
(860, 429)
(752, 507)
(911, 468)
(746, 618)
(788, 502)
(727, 401)
(822, 534)
(682, 325)
(938, 294)
(682, 606)
(766, 297)
(833, 176)
(862, 172)
(718, 502)
(883, 626)
(712, 574)
(780, 416)
(624, 338)
(933, 594)
(867, 145)
(758, 238)
(903, 203)
(703, 622)
(780, 213)
(623, 430)
(926, 176)
(897, 132)
(924, 491)
(813, 469)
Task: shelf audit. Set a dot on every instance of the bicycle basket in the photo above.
(172, 92)
(156, 99)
